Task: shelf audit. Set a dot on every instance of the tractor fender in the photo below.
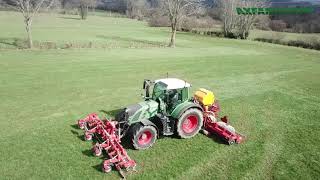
(181, 108)
(147, 122)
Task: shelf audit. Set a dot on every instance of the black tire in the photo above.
(143, 137)
(189, 123)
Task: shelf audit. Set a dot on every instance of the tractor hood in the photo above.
(132, 109)
(138, 112)
(141, 111)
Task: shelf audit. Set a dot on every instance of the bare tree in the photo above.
(136, 8)
(245, 22)
(29, 8)
(84, 7)
(235, 25)
(228, 16)
(176, 9)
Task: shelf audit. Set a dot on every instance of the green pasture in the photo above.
(270, 92)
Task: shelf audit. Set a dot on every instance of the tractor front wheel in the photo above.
(189, 123)
(143, 137)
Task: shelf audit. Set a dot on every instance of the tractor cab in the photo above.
(168, 92)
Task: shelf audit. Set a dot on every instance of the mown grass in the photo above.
(270, 92)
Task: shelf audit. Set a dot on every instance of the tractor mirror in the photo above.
(146, 87)
(144, 84)
(147, 83)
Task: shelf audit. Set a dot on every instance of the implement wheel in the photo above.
(189, 123)
(97, 150)
(88, 136)
(143, 137)
(106, 169)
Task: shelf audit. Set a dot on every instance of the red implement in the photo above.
(106, 132)
(223, 129)
(220, 128)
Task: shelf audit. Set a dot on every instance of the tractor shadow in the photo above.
(77, 134)
(88, 153)
(98, 168)
(126, 143)
(111, 113)
(74, 126)
(216, 138)
(213, 137)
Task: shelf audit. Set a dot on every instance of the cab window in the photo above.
(158, 90)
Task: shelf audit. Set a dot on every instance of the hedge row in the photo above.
(201, 32)
(296, 43)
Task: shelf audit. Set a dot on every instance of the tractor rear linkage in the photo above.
(107, 132)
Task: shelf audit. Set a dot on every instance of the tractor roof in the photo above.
(173, 83)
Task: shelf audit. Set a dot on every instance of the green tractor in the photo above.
(168, 110)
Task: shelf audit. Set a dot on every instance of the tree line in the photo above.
(176, 14)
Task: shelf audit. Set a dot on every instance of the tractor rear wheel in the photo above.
(143, 137)
(189, 123)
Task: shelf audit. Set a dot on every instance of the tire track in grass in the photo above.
(220, 163)
(275, 145)
(171, 156)
(193, 154)
(264, 145)
(278, 126)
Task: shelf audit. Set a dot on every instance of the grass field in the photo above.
(270, 92)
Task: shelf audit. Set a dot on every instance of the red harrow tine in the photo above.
(106, 131)
(89, 121)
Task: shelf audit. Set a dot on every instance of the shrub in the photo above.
(159, 21)
(217, 33)
(278, 25)
(231, 35)
(47, 45)
(263, 23)
(20, 43)
(190, 23)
